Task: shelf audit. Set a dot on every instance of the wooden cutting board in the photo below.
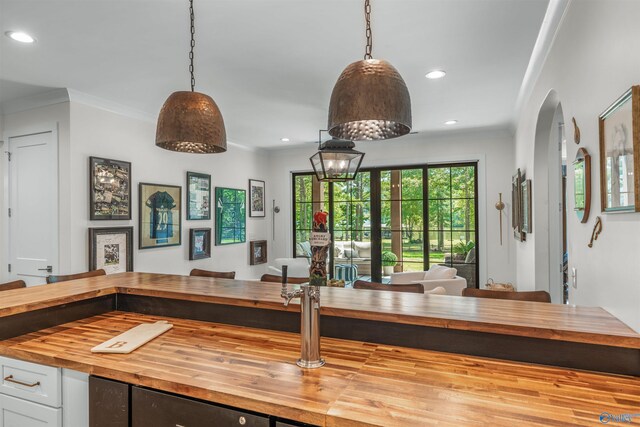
(135, 337)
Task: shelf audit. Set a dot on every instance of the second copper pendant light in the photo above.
(370, 100)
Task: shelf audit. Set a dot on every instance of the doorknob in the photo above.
(49, 269)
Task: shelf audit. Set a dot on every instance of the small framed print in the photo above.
(199, 243)
(256, 198)
(111, 248)
(160, 215)
(620, 154)
(258, 253)
(198, 196)
(109, 189)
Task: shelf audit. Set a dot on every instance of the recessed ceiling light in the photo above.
(450, 122)
(20, 36)
(285, 139)
(435, 74)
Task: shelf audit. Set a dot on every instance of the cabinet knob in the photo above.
(242, 421)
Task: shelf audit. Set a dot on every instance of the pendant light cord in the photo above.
(367, 18)
(193, 43)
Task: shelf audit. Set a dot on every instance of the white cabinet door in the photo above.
(75, 398)
(16, 412)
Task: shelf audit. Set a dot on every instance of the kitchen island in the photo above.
(217, 353)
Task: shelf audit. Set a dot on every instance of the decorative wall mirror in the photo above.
(582, 184)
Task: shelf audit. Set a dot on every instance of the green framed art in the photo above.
(231, 216)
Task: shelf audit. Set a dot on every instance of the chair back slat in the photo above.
(363, 284)
(535, 296)
(16, 284)
(215, 274)
(272, 278)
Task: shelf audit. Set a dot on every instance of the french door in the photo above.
(393, 220)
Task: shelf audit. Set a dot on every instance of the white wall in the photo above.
(96, 132)
(493, 149)
(591, 63)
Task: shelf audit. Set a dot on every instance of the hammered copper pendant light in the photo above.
(370, 99)
(190, 122)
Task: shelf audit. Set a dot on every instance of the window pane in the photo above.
(439, 183)
(304, 216)
(412, 216)
(464, 214)
(463, 182)
(412, 184)
(303, 190)
(385, 185)
(439, 247)
(439, 214)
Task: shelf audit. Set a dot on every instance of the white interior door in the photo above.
(33, 204)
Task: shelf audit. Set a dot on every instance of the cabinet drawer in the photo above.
(30, 381)
(155, 409)
(16, 412)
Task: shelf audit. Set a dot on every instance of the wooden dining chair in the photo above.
(67, 277)
(535, 296)
(416, 288)
(215, 274)
(272, 278)
(16, 284)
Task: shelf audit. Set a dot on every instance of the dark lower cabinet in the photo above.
(108, 403)
(151, 408)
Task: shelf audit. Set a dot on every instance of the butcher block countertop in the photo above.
(362, 384)
(592, 325)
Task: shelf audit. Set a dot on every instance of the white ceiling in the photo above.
(271, 64)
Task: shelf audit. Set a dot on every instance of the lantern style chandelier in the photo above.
(370, 99)
(190, 122)
(336, 160)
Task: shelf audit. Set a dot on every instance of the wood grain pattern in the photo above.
(361, 385)
(591, 325)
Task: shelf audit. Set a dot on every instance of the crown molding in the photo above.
(44, 99)
(556, 11)
(112, 107)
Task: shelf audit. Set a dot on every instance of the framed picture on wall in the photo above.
(109, 189)
(527, 226)
(198, 196)
(620, 154)
(111, 248)
(160, 215)
(258, 252)
(516, 207)
(256, 198)
(199, 243)
(231, 216)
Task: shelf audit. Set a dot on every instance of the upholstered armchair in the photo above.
(437, 276)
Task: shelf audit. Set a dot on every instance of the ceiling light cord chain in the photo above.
(193, 43)
(367, 18)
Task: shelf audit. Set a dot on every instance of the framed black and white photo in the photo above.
(199, 243)
(159, 215)
(258, 254)
(198, 196)
(111, 249)
(256, 198)
(109, 189)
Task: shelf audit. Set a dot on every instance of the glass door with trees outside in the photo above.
(393, 220)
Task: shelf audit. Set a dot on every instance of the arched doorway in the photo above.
(549, 199)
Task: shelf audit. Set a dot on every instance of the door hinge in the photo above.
(9, 268)
(8, 155)
(9, 212)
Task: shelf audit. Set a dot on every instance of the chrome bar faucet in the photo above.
(309, 321)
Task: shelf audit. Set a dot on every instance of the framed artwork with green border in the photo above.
(231, 216)
(159, 216)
